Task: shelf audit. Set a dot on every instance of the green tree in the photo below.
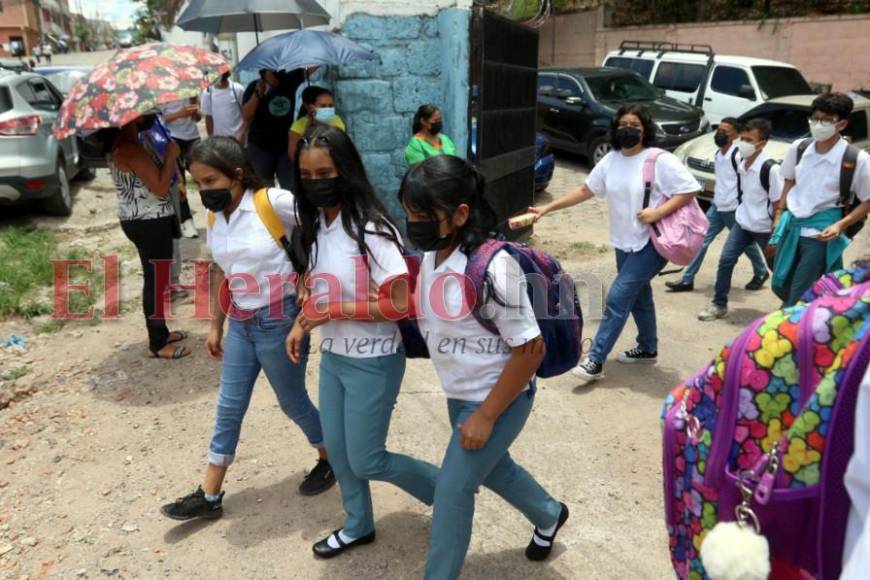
(154, 15)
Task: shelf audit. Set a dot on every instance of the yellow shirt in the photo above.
(300, 126)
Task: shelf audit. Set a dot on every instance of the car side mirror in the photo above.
(746, 92)
(575, 101)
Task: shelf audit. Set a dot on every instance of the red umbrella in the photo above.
(136, 81)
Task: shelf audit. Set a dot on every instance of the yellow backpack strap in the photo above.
(270, 219)
(211, 218)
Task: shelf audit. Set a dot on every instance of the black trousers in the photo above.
(153, 241)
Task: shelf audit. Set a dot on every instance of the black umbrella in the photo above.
(218, 16)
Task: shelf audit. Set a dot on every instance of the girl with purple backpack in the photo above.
(489, 380)
(619, 178)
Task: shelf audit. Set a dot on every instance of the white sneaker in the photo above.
(713, 312)
(188, 230)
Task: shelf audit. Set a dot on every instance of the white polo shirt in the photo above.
(243, 246)
(619, 179)
(856, 549)
(224, 106)
(817, 180)
(754, 214)
(468, 358)
(725, 192)
(333, 264)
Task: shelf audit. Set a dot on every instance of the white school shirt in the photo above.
(333, 263)
(225, 108)
(243, 245)
(725, 192)
(753, 215)
(856, 550)
(619, 179)
(817, 180)
(184, 128)
(468, 358)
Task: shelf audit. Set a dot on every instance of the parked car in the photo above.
(545, 160)
(576, 108)
(34, 165)
(14, 65)
(125, 39)
(722, 85)
(63, 77)
(788, 116)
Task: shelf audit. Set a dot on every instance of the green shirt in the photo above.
(418, 149)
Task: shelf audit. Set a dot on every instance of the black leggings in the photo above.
(153, 241)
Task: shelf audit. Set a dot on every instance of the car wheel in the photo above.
(86, 174)
(60, 203)
(598, 149)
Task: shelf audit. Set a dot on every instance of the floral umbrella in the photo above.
(135, 81)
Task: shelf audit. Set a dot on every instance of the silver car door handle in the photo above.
(554, 111)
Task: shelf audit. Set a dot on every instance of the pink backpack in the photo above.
(679, 236)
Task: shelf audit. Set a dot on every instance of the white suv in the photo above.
(722, 85)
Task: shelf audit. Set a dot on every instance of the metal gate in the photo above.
(502, 111)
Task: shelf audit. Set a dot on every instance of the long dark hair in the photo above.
(425, 112)
(225, 154)
(642, 113)
(309, 97)
(360, 205)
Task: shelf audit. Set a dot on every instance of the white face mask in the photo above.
(822, 130)
(746, 149)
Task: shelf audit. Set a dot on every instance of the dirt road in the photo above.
(109, 435)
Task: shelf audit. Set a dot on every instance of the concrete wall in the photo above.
(828, 50)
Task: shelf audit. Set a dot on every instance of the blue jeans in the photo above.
(630, 293)
(357, 397)
(462, 473)
(251, 345)
(719, 220)
(738, 241)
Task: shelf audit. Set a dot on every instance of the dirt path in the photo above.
(109, 435)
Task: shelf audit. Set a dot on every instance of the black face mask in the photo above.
(426, 236)
(216, 200)
(436, 127)
(322, 192)
(627, 137)
(720, 139)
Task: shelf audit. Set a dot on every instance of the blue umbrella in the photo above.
(304, 48)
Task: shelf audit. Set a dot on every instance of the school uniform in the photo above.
(263, 312)
(753, 221)
(721, 214)
(813, 205)
(619, 179)
(361, 370)
(469, 361)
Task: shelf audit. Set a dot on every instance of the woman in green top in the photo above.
(428, 140)
(318, 108)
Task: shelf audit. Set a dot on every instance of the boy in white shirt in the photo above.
(221, 105)
(761, 186)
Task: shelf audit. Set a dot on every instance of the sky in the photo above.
(118, 12)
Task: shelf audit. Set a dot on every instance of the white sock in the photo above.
(545, 532)
(333, 543)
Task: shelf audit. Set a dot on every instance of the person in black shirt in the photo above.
(268, 107)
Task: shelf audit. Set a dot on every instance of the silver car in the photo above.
(34, 165)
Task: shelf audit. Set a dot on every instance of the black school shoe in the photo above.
(194, 506)
(322, 549)
(757, 283)
(680, 286)
(536, 552)
(318, 480)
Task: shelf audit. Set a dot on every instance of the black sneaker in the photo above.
(757, 282)
(194, 506)
(589, 370)
(318, 480)
(680, 286)
(636, 355)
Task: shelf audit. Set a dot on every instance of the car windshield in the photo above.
(65, 80)
(787, 124)
(618, 88)
(780, 81)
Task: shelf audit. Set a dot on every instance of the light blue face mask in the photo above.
(324, 114)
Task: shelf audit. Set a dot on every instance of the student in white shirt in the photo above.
(619, 179)
(221, 104)
(489, 381)
(181, 117)
(349, 252)
(808, 235)
(259, 276)
(754, 216)
(720, 215)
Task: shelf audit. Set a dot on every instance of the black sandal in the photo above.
(179, 352)
(179, 336)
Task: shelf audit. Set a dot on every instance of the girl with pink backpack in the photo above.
(653, 217)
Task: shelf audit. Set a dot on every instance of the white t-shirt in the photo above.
(817, 180)
(468, 358)
(725, 192)
(334, 264)
(754, 214)
(243, 246)
(184, 128)
(856, 549)
(225, 108)
(619, 179)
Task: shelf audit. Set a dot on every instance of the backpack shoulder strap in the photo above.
(847, 173)
(802, 148)
(210, 218)
(269, 217)
(475, 276)
(737, 173)
(649, 173)
(764, 174)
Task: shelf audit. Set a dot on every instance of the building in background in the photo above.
(19, 27)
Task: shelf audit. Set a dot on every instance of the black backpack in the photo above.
(847, 174)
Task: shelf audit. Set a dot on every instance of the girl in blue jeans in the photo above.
(263, 307)
(350, 253)
(489, 390)
(618, 178)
